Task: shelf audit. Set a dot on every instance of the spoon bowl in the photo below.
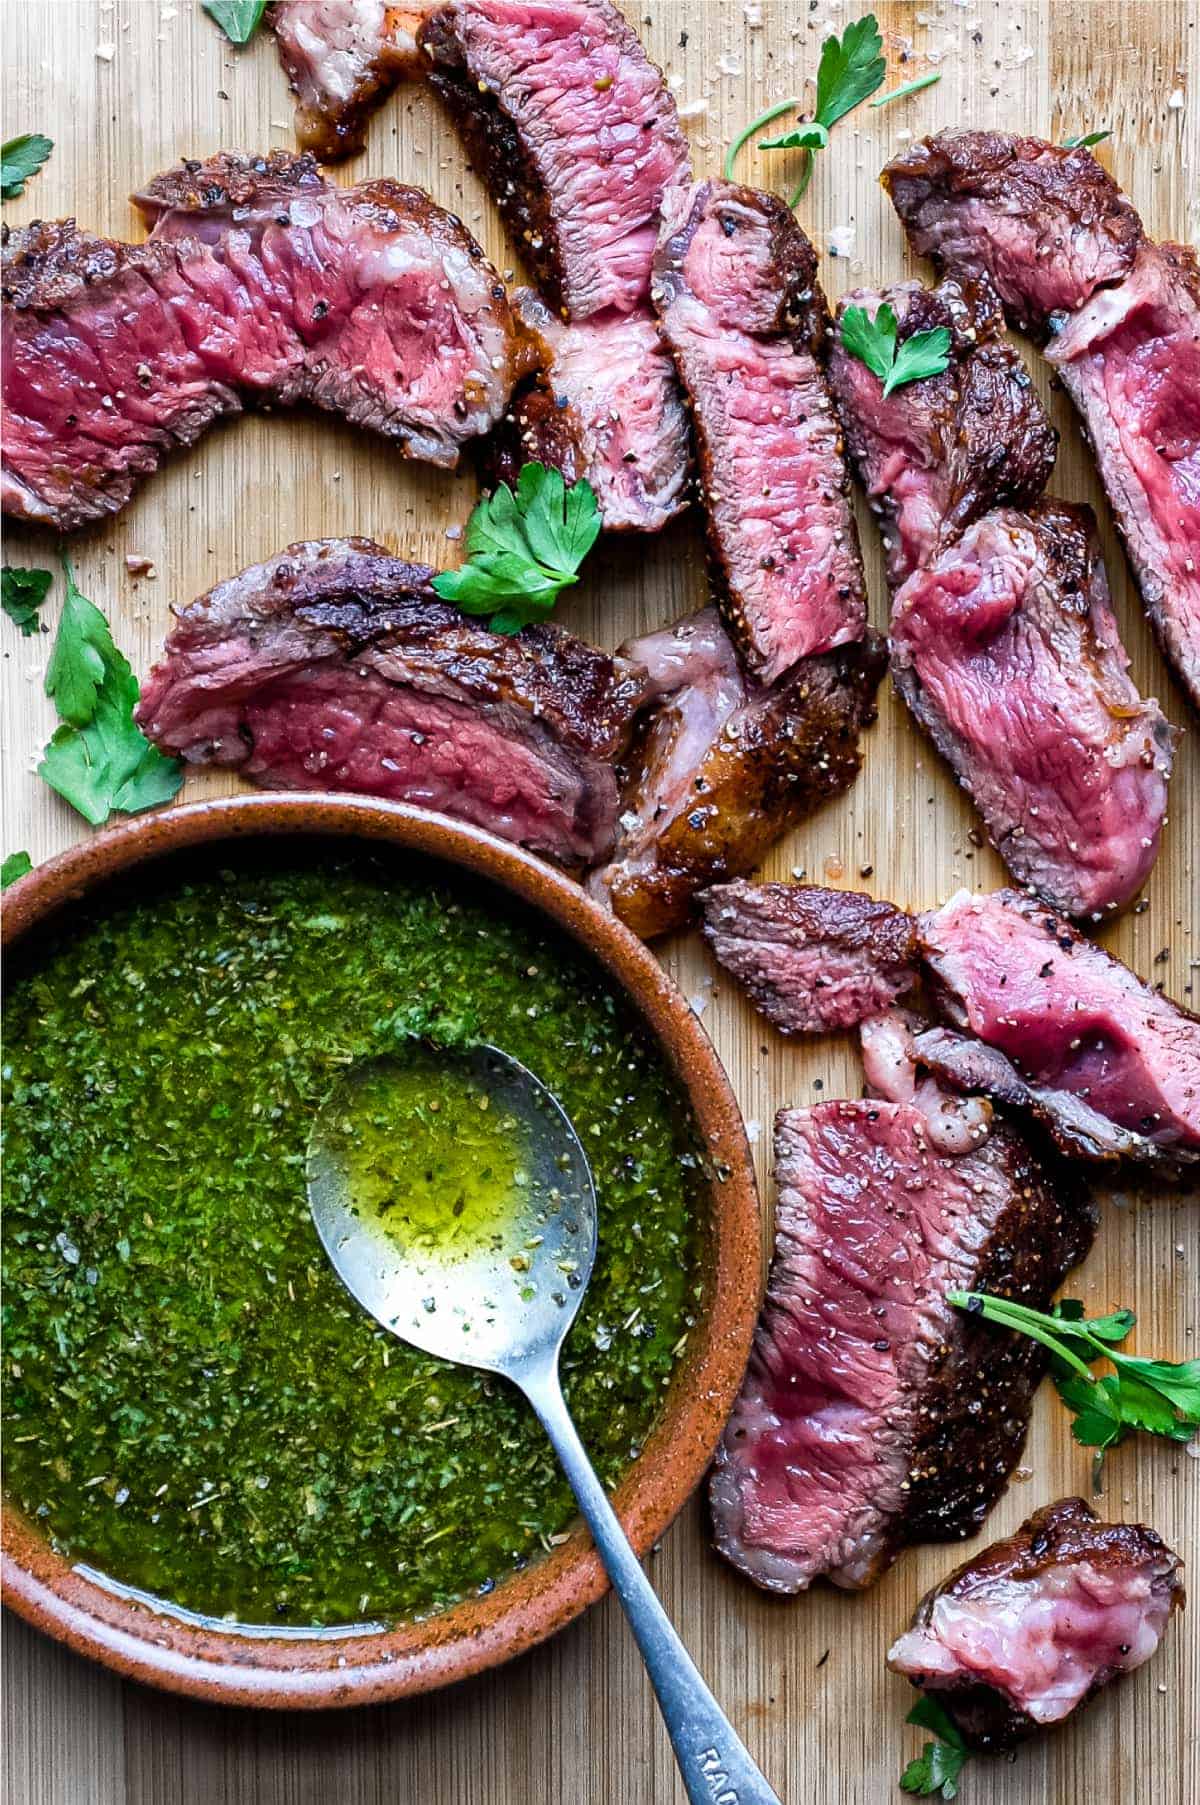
(499, 1290)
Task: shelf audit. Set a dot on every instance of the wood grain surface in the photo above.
(125, 87)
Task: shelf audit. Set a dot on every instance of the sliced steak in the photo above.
(937, 454)
(812, 960)
(1075, 1127)
(1069, 1017)
(736, 290)
(604, 405)
(342, 59)
(873, 1414)
(573, 129)
(261, 281)
(721, 768)
(336, 667)
(1023, 1634)
(1130, 361)
(1006, 649)
(1070, 259)
(1047, 226)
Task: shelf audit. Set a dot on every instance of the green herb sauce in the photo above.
(192, 1401)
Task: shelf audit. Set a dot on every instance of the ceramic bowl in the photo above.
(330, 1668)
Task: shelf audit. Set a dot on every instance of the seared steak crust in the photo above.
(1047, 226)
(604, 405)
(812, 960)
(573, 129)
(336, 666)
(937, 454)
(736, 291)
(721, 768)
(873, 1414)
(1022, 1635)
(261, 280)
(1006, 650)
(342, 59)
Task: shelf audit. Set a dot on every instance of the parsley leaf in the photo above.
(873, 342)
(851, 68)
(812, 136)
(1161, 1397)
(98, 759)
(82, 648)
(17, 864)
(936, 1769)
(238, 19)
(21, 158)
(524, 548)
(22, 593)
(1086, 141)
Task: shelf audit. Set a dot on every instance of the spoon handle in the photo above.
(716, 1768)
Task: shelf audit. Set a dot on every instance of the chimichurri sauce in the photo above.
(192, 1401)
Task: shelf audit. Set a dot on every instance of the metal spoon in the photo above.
(504, 1299)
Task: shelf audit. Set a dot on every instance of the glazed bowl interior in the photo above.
(319, 1668)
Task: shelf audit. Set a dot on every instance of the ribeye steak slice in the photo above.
(1046, 225)
(873, 1414)
(335, 666)
(575, 132)
(261, 281)
(1020, 1636)
(342, 59)
(604, 404)
(736, 290)
(1006, 649)
(1068, 1017)
(721, 767)
(935, 455)
(1072, 264)
(1130, 361)
(813, 960)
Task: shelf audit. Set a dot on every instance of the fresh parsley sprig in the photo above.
(873, 342)
(21, 158)
(524, 549)
(934, 1772)
(99, 760)
(851, 68)
(22, 592)
(238, 19)
(1161, 1397)
(17, 864)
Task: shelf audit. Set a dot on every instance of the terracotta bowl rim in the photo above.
(331, 1669)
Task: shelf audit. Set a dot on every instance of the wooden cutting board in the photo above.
(126, 87)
